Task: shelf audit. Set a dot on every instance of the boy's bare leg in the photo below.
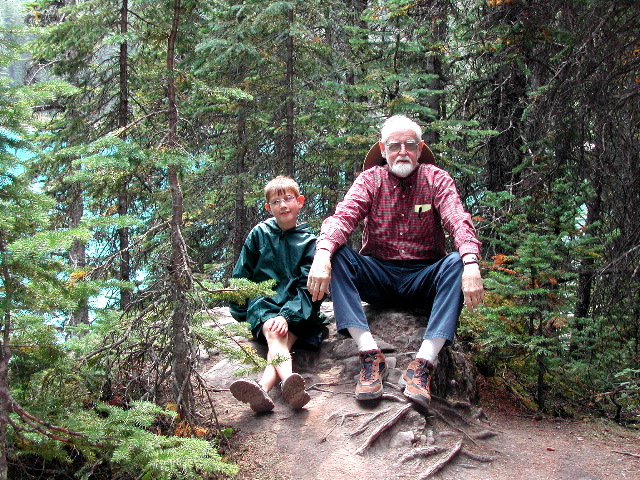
(279, 345)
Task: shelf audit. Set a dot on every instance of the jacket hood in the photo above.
(272, 225)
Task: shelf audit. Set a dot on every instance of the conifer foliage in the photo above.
(134, 150)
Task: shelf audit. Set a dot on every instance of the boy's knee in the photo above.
(268, 330)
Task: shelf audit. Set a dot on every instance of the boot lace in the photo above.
(367, 366)
(423, 373)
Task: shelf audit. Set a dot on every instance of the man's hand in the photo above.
(472, 287)
(319, 275)
(277, 325)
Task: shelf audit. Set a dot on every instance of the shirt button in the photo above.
(400, 233)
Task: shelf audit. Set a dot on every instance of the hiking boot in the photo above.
(374, 367)
(250, 391)
(417, 380)
(293, 391)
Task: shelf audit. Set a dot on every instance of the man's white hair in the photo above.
(396, 123)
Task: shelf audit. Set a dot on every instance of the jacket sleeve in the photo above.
(299, 307)
(244, 268)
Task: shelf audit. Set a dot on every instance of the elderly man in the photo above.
(407, 204)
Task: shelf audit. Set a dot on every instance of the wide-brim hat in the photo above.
(374, 157)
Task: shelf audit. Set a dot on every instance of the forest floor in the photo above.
(337, 438)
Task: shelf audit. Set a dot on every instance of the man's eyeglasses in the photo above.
(287, 200)
(395, 147)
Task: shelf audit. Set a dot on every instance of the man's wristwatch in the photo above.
(469, 259)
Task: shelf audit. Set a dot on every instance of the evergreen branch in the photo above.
(46, 428)
(219, 290)
(109, 260)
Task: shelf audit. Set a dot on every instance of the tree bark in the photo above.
(288, 102)
(5, 356)
(77, 252)
(179, 268)
(240, 227)
(123, 120)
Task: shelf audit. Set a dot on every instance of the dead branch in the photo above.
(420, 453)
(383, 427)
(443, 462)
(634, 455)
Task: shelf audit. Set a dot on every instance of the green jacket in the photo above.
(270, 253)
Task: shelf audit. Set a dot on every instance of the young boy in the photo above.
(280, 249)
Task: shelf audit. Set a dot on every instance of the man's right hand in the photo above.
(319, 275)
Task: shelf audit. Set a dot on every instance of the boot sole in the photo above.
(417, 398)
(250, 392)
(293, 391)
(373, 395)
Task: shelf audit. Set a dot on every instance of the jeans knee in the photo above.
(453, 262)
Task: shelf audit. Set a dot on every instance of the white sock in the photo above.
(430, 349)
(363, 338)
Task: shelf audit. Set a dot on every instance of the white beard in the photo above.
(402, 169)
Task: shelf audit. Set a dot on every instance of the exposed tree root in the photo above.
(477, 456)
(420, 453)
(448, 422)
(383, 427)
(484, 434)
(442, 462)
(364, 426)
(452, 410)
(341, 417)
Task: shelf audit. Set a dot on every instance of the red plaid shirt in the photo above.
(405, 219)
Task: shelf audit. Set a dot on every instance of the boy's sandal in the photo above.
(249, 391)
(293, 391)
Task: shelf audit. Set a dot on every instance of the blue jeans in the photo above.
(434, 285)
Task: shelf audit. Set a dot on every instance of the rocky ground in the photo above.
(337, 438)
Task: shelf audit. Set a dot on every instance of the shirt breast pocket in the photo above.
(422, 209)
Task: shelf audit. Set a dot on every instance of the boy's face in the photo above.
(285, 209)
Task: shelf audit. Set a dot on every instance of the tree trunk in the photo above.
(240, 227)
(179, 268)
(436, 15)
(123, 120)
(77, 252)
(5, 356)
(586, 274)
(125, 256)
(289, 166)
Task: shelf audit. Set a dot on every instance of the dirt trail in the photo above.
(322, 441)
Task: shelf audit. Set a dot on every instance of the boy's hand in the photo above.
(277, 325)
(319, 275)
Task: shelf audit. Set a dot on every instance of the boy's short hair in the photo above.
(280, 185)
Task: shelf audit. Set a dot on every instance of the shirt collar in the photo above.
(396, 181)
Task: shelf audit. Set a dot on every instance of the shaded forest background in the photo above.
(136, 137)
